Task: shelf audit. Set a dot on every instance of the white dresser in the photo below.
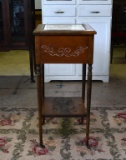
(98, 14)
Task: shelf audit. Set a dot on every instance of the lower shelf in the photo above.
(63, 107)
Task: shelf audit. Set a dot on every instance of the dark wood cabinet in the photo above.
(17, 23)
(119, 16)
(4, 25)
(119, 21)
(118, 38)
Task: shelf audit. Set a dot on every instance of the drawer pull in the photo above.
(96, 12)
(59, 12)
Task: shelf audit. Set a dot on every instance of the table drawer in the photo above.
(62, 49)
(94, 10)
(59, 11)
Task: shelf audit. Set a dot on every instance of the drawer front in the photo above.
(95, 1)
(58, 20)
(66, 49)
(94, 10)
(58, 1)
(58, 11)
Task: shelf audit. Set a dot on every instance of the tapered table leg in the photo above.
(89, 87)
(83, 85)
(43, 86)
(31, 59)
(39, 91)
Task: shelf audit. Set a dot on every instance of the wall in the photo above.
(37, 4)
(38, 18)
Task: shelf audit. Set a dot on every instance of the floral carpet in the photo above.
(64, 138)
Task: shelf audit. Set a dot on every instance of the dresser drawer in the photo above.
(58, 11)
(95, 1)
(94, 10)
(58, 1)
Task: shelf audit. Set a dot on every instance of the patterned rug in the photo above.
(64, 138)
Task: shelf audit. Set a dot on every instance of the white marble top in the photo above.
(63, 27)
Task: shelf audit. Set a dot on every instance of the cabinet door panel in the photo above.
(17, 21)
(60, 72)
(60, 69)
(58, 20)
(101, 44)
(1, 23)
(4, 25)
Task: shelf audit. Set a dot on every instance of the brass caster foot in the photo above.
(88, 146)
(42, 146)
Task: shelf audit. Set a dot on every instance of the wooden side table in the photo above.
(64, 44)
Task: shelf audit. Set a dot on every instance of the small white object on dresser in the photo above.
(98, 14)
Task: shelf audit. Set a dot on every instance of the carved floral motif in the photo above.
(60, 52)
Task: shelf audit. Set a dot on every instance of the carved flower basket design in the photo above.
(63, 52)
